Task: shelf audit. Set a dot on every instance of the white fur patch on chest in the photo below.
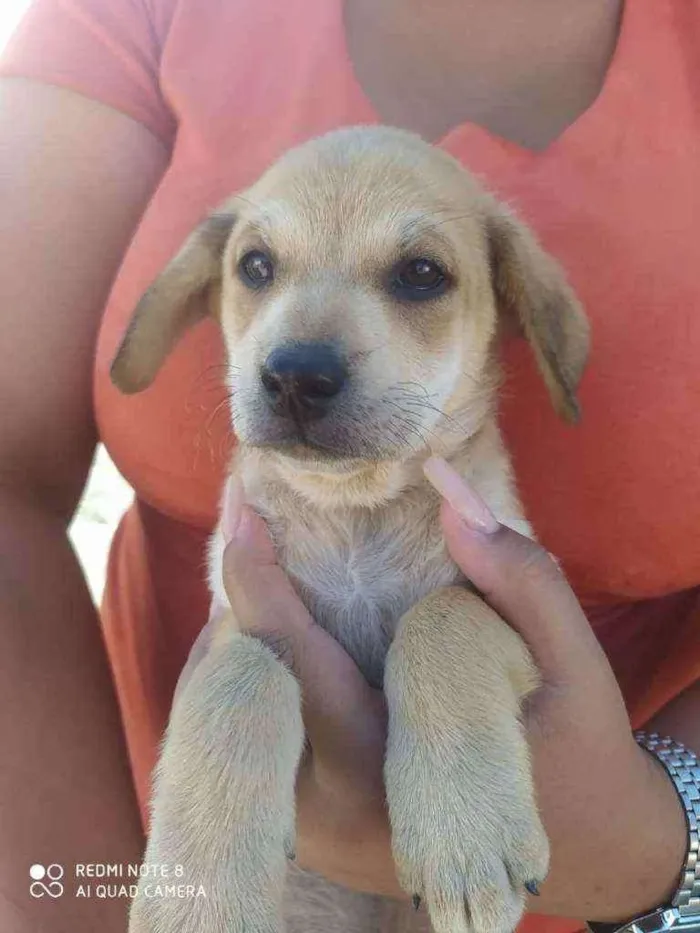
(358, 578)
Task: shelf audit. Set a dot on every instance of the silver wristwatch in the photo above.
(683, 913)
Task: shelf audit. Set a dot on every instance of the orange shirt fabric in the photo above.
(228, 85)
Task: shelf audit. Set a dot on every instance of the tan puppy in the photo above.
(361, 285)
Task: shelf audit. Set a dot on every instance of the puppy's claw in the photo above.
(416, 901)
(533, 887)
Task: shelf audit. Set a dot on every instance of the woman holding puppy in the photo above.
(122, 123)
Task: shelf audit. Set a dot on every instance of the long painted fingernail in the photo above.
(467, 503)
(244, 529)
(232, 508)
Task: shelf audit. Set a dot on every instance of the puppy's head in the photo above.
(360, 286)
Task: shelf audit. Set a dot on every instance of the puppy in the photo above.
(361, 286)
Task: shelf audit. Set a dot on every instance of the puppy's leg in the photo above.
(466, 831)
(223, 808)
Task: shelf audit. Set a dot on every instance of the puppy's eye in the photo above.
(256, 269)
(419, 280)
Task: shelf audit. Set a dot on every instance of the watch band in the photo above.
(684, 770)
(683, 914)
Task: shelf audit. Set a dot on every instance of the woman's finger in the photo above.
(337, 698)
(517, 577)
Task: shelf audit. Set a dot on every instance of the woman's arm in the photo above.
(75, 177)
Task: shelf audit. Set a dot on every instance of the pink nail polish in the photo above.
(244, 528)
(463, 499)
(232, 506)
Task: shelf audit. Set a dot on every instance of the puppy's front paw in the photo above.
(223, 811)
(467, 837)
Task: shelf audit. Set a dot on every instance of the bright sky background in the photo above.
(10, 14)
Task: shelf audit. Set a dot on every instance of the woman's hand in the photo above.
(616, 827)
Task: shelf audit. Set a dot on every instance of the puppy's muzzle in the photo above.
(302, 380)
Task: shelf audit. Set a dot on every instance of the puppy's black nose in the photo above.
(302, 379)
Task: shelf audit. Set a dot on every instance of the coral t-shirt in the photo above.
(228, 85)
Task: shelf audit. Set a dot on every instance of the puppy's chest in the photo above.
(357, 579)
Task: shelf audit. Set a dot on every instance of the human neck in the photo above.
(523, 70)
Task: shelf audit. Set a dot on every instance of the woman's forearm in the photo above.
(65, 790)
(647, 850)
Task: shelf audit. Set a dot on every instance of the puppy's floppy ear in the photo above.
(532, 292)
(174, 302)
